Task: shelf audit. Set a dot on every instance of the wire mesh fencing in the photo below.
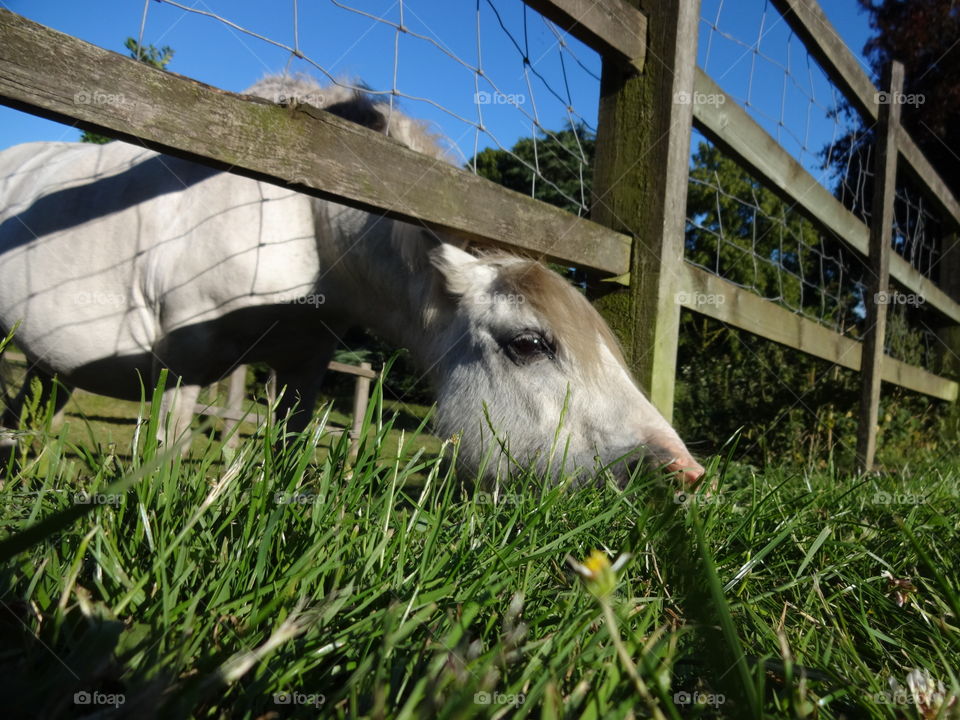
(743, 232)
(740, 230)
(513, 96)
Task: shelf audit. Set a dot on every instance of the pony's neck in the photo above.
(382, 266)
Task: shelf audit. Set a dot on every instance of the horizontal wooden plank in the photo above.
(44, 72)
(340, 367)
(254, 415)
(352, 370)
(613, 28)
(714, 297)
(730, 126)
(807, 20)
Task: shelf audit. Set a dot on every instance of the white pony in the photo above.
(117, 261)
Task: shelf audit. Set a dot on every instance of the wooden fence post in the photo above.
(236, 390)
(640, 188)
(361, 396)
(881, 228)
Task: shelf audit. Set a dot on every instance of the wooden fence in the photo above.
(640, 177)
(234, 411)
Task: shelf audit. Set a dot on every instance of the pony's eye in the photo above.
(528, 346)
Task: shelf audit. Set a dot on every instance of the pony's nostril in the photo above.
(685, 468)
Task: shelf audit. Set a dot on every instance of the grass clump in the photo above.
(277, 581)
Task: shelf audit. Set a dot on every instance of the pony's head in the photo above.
(529, 373)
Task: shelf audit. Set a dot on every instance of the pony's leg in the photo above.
(176, 413)
(301, 386)
(299, 398)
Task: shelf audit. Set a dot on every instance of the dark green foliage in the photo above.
(405, 383)
(557, 155)
(922, 34)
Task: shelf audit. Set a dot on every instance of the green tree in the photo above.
(923, 34)
(158, 58)
(563, 158)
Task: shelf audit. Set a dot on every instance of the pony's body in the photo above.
(117, 261)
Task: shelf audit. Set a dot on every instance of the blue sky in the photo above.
(353, 46)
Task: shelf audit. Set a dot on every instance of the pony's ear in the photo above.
(460, 270)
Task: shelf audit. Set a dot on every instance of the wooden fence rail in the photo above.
(234, 413)
(311, 151)
(640, 179)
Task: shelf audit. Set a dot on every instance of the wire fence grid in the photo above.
(744, 233)
(517, 99)
(514, 83)
(741, 231)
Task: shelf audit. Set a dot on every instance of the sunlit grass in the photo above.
(285, 580)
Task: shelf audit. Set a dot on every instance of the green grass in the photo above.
(391, 588)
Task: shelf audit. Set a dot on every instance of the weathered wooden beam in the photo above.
(363, 370)
(714, 297)
(236, 389)
(57, 76)
(878, 284)
(729, 126)
(823, 42)
(613, 28)
(640, 188)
